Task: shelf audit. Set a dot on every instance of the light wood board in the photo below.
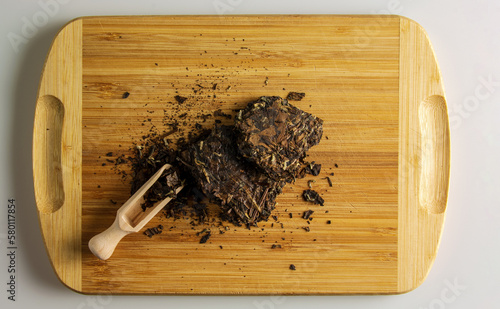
(375, 82)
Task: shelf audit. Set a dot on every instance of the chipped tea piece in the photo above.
(295, 96)
(312, 168)
(205, 237)
(275, 135)
(180, 99)
(313, 197)
(307, 214)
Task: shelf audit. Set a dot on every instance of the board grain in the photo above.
(375, 82)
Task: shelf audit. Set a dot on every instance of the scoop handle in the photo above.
(103, 244)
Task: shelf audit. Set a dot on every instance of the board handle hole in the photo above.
(434, 154)
(47, 143)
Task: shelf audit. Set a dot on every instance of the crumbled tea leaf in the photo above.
(312, 168)
(150, 232)
(310, 182)
(180, 99)
(307, 214)
(201, 211)
(220, 113)
(295, 96)
(125, 95)
(313, 197)
(292, 267)
(205, 237)
(146, 162)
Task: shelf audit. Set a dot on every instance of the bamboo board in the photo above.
(375, 82)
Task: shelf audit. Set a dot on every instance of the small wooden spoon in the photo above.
(130, 218)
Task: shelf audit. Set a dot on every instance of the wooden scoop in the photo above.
(130, 218)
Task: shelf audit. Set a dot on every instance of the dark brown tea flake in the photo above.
(205, 237)
(180, 99)
(307, 214)
(295, 96)
(150, 232)
(312, 169)
(313, 197)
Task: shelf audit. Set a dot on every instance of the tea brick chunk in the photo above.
(246, 195)
(275, 135)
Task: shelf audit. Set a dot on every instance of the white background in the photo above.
(467, 44)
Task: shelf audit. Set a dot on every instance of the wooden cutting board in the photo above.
(375, 82)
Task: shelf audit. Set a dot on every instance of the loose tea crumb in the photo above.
(180, 99)
(295, 96)
(307, 214)
(274, 246)
(150, 232)
(313, 197)
(310, 182)
(292, 267)
(312, 168)
(125, 95)
(329, 181)
(205, 237)
(220, 113)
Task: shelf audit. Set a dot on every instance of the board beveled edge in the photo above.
(419, 230)
(61, 227)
